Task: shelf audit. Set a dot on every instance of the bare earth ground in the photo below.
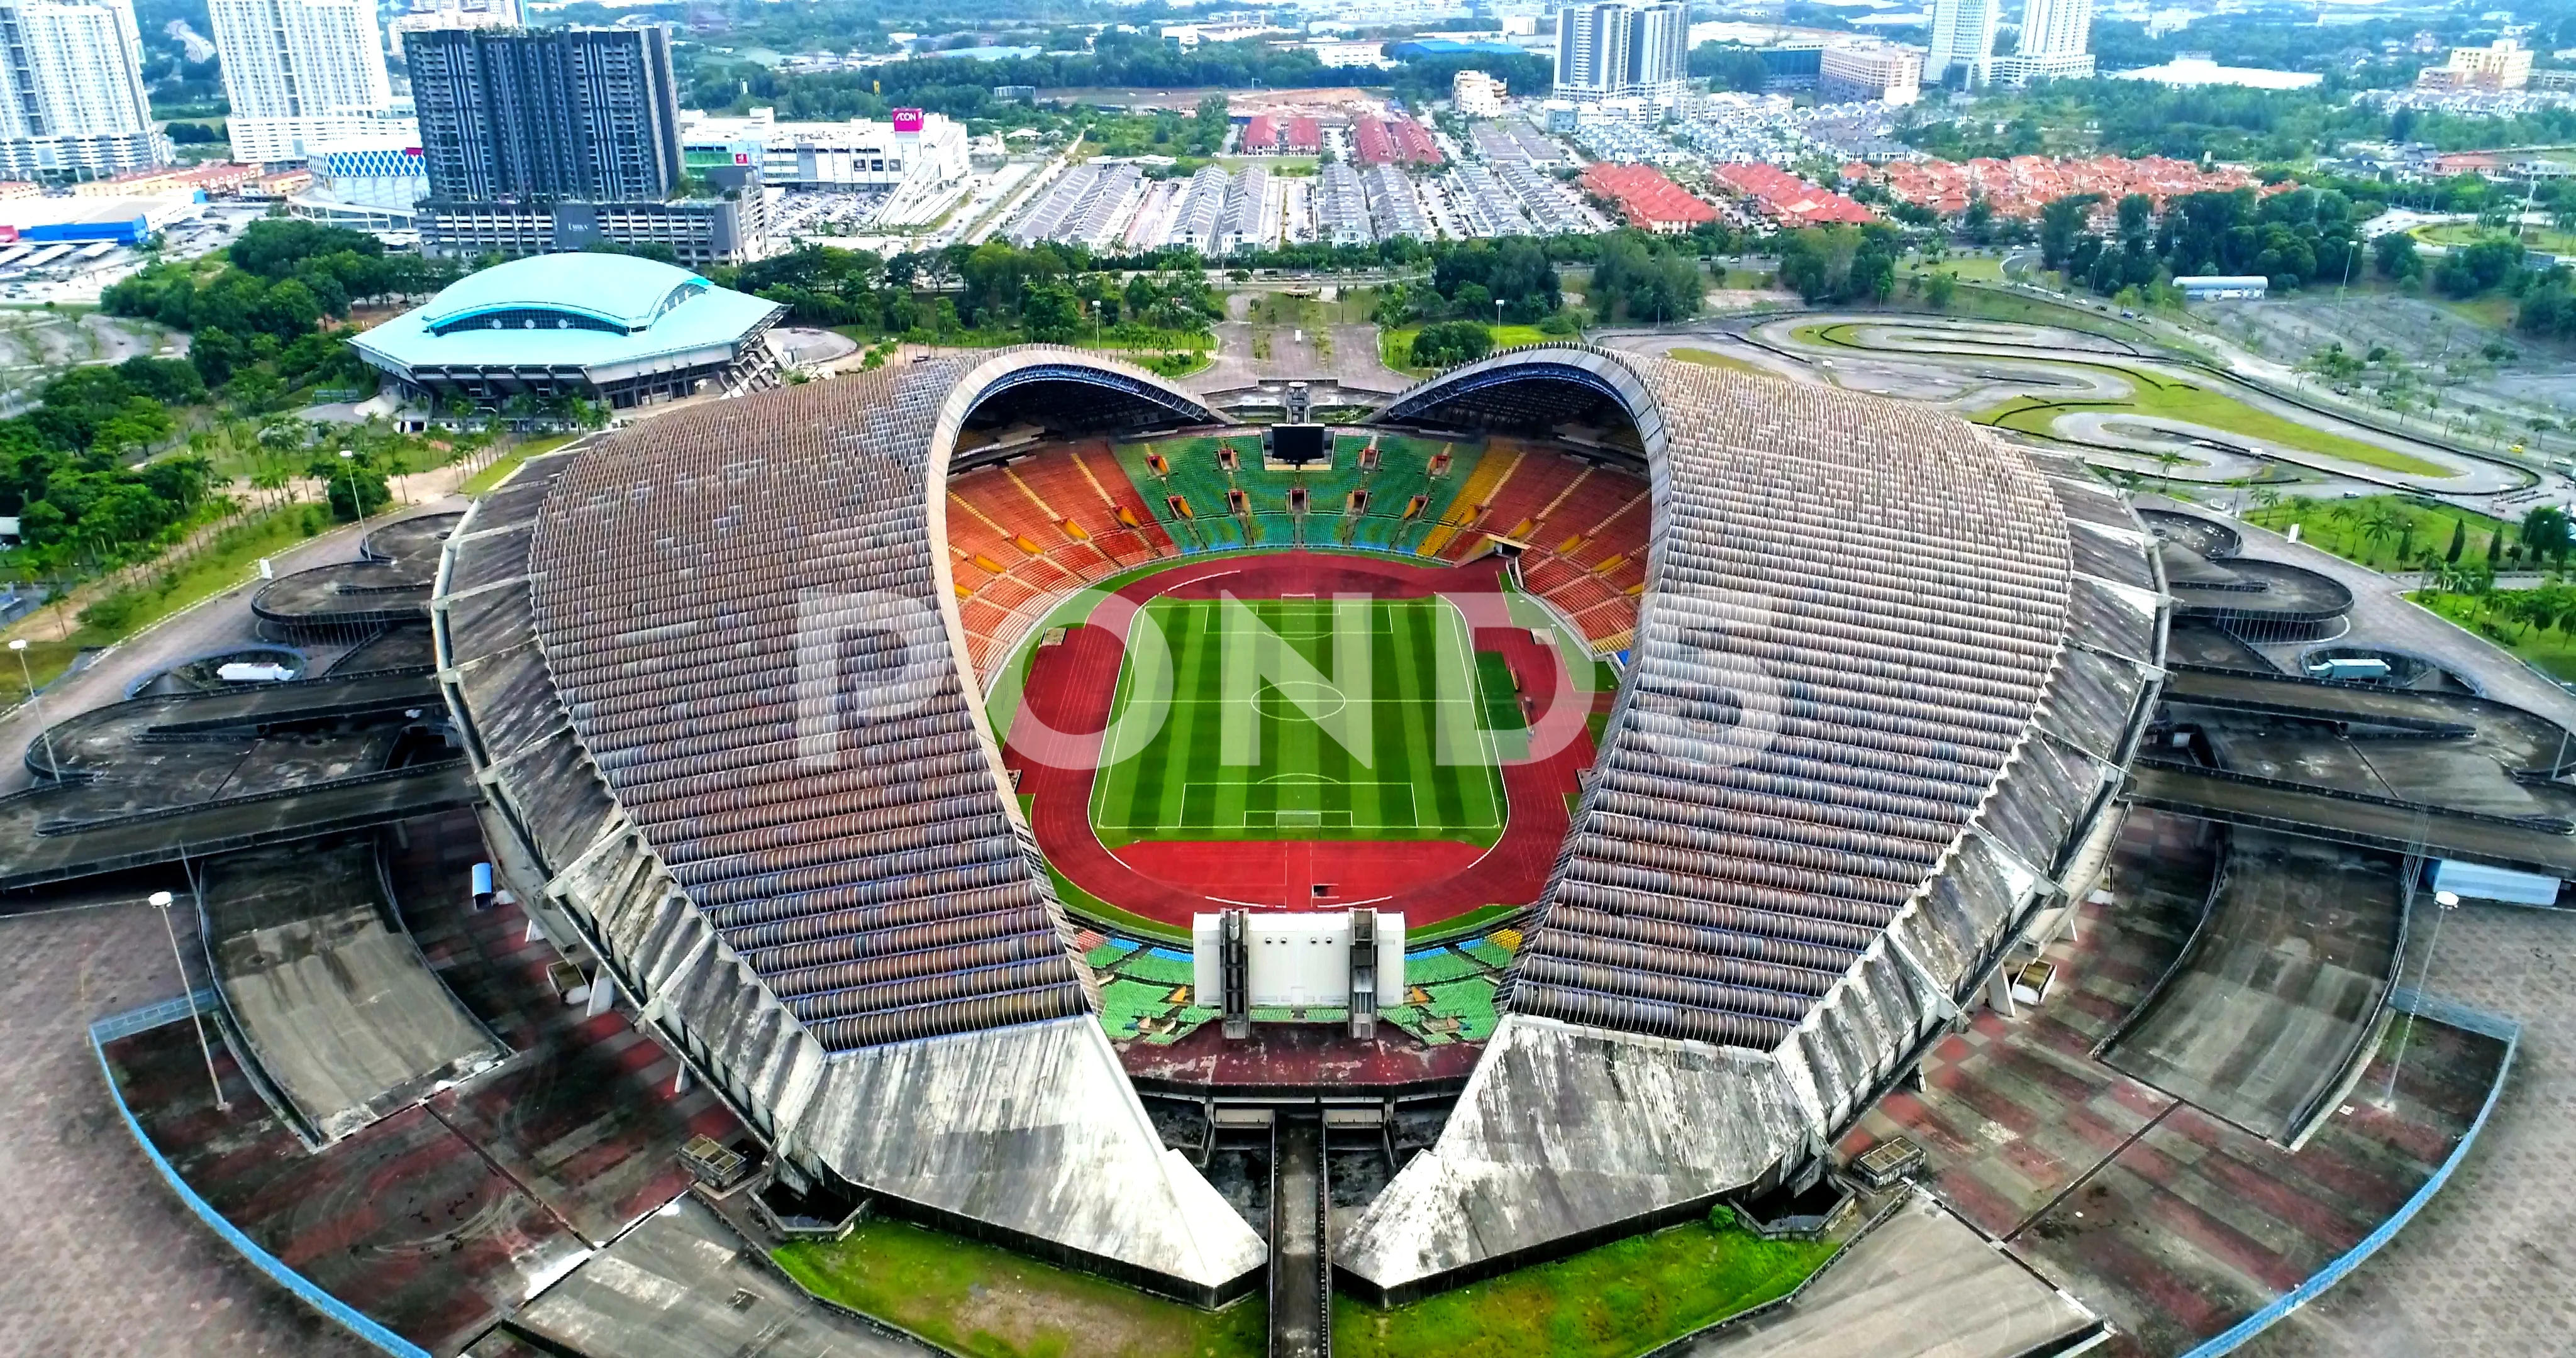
(2542, 376)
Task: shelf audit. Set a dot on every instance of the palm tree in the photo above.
(2379, 521)
(2166, 460)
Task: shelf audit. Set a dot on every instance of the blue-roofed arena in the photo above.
(610, 328)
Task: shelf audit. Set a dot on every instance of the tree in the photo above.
(346, 477)
(2459, 540)
(1729, 67)
(1940, 289)
(2060, 220)
(1051, 314)
(2545, 532)
(1449, 343)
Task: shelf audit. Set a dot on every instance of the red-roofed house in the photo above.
(1646, 198)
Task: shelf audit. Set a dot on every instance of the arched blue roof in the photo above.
(621, 289)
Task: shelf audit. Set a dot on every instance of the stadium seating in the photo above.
(1586, 525)
(1587, 554)
(1024, 533)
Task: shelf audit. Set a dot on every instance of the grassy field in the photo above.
(1280, 725)
(2552, 650)
(1710, 358)
(1395, 347)
(2209, 409)
(2386, 532)
(491, 477)
(2470, 233)
(45, 662)
(1969, 268)
(224, 562)
(2165, 397)
(1612, 1302)
(985, 1302)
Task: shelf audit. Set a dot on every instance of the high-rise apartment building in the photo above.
(565, 137)
(1591, 51)
(2056, 43)
(300, 73)
(429, 14)
(71, 91)
(1963, 41)
(1613, 51)
(590, 114)
(1659, 51)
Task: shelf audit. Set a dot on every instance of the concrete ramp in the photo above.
(1923, 1285)
(2277, 992)
(683, 1285)
(339, 1009)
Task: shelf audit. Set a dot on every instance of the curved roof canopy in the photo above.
(608, 316)
(622, 290)
(1886, 673)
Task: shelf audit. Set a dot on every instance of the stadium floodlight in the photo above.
(161, 901)
(43, 732)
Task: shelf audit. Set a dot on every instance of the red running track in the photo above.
(1070, 687)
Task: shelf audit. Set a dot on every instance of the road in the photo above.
(2381, 615)
(220, 623)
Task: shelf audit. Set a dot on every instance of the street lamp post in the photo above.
(19, 644)
(349, 464)
(2444, 902)
(161, 901)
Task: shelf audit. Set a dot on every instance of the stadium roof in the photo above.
(712, 666)
(588, 311)
(1885, 677)
(1886, 672)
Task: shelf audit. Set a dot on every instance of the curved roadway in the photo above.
(1973, 367)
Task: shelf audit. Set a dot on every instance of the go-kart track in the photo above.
(1452, 796)
(2122, 407)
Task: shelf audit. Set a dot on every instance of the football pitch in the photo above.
(1301, 719)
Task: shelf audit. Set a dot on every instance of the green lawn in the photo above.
(2385, 532)
(45, 662)
(2470, 233)
(1969, 268)
(2166, 397)
(1395, 347)
(1277, 721)
(2212, 410)
(491, 477)
(975, 1299)
(2551, 649)
(1616, 1301)
(224, 563)
(1710, 358)
(1501, 694)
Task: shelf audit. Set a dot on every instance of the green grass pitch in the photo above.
(1283, 724)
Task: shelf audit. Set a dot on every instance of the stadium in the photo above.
(750, 760)
(1306, 875)
(607, 328)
